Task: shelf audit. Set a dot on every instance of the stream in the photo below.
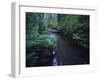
(68, 53)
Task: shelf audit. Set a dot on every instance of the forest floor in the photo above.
(68, 53)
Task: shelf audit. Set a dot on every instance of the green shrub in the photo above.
(53, 24)
(76, 27)
(43, 45)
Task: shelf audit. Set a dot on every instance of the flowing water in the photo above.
(68, 53)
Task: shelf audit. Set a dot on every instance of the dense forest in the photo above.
(41, 41)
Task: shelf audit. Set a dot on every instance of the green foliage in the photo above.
(31, 58)
(83, 35)
(53, 24)
(39, 42)
(46, 41)
(42, 44)
(76, 27)
(69, 23)
(37, 39)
